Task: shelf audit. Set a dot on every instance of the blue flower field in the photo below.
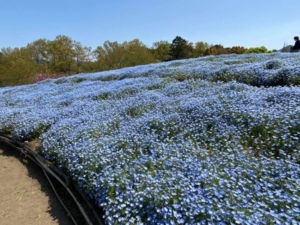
(212, 140)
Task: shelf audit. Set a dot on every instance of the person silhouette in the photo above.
(296, 47)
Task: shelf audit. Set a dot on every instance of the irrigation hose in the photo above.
(69, 214)
(53, 188)
(69, 191)
(89, 205)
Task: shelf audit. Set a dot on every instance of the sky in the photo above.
(247, 23)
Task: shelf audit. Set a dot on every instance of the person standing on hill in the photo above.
(296, 47)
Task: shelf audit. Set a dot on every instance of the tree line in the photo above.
(63, 56)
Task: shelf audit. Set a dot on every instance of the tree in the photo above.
(17, 67)
(136, 53)
(161, 50)
(80, 56)
(1, 57)
(261, 49)
(221, 50)
(210, 51)
(286, 48)
(39, 54)
(190, 49)
(38, 50)
(199, 48)
(179, 48)
(61, 54)
(113, 55)
(237, 50)
(110, 56)
(90, 64)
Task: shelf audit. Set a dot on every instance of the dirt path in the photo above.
(25, 195)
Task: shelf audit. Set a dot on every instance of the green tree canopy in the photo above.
(39, 54)
(113, 55)
(237, 50)
(161, 50)
(17, 66)
(199, 48)
(137, 53)
(219, 49)
(261, 49)
(179, 48)
(110, 56)
(38, 50)
(1, 57)
(61, 54)
(216, 50)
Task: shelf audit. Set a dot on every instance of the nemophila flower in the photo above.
(198, 141)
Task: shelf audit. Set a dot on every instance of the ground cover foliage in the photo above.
(213, 140)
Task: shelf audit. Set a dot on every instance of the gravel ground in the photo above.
(26, 196)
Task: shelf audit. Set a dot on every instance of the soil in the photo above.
(26, 196)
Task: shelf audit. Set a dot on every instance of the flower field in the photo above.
(212, 140)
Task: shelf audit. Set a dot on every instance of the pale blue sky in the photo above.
(248, 23)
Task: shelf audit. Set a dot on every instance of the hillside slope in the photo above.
(207, 140)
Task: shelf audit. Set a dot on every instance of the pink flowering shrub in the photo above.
(43, 76)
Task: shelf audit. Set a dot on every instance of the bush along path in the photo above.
(70, 199)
